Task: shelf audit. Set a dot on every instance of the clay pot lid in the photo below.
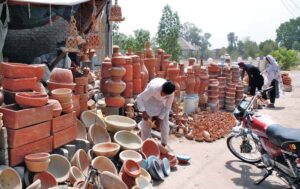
(130, 154)
(81, 160)
(98, 134)
(128, 140)
(117, 122)
(150, 147)
(47, 180)
(81, 130)
(9, 178)
(102, 163)
(59, 166)
(142, 182)
(37, 157)
(112, 181)
(89, 118)
(108, 149)
(132, 168)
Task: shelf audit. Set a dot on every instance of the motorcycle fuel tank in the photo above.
(260, 124)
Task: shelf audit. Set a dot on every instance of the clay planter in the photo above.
(81, 160)
(137, 86)
(149, 148)
(37, 157)
(117, 123)
(25, 84)
(108, 149)
(118, 61)
(89, 118)
(98, 134)
(32, 99)
(47, 180)
(115, 87)
(132, 168)
(128, 92)
(116, 101)
(53, 85)
(63, 95)
(130, 154)
(9, 178)
(102, 164)
(61, 75)
(129, 72)
(112, 181)
(75, 175)
(18, 70)
(59, 167)
(37, 166)
(136, 70)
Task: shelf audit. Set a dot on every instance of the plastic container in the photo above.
(190, 103)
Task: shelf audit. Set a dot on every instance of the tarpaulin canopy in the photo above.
(52, 2)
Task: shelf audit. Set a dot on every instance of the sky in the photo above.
(257, 19)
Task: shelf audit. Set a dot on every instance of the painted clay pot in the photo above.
(107, 149)
(75, 175)
(112, 181)
(32, 99)
(137, 86)
(150, 65)
(18, 70)
(9, 178)
(128, 92)
(130, 154)
(56, 107)
(81, 160)
(116, 101)
(98, 134)
(61, 75)
(47, 180)
(24, 84)
(150, 147)
(102, 163)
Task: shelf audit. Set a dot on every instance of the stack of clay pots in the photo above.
(203, 87)
(214, 71)
(236, 76)
(287, 82)
(230, 97)
(149, 61)
(137, 76)
(173, 75)
(64, 96)
(128, 78)
(213, 94)
(239, 93)
(226, 72)
(21, 77)
(222, 86)
(81, 90)
(105, 74)
(190, 82)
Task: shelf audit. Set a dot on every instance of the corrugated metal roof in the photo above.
(52, 2)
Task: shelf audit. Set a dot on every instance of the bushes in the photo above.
(286, 58)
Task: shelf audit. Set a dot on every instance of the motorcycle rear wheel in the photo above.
(233, 141)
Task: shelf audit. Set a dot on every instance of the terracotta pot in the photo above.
(108, 149)
(37, 157)
(112, 181)
(144, 75)
(75, 175)
(181, 68)
(81, 160)
(137, 86)
(128, 180)
(172, 73)
(116, 101)
(150, 147)
(129, 73)
(118, 72)
(37, 166)
(81, 80)
(61, 75)
(98, 134)
(53, 85)
(116, 51)
(40, 88)
(132, 168)
(136, 69)
(190, 83)
(102, 164)
(115, 88)
(63, 95)
(9, 178)
(130, 154)
(117, 123)
(32, 99)
(105, 69)
(150, 65)
(25, 84)
(18, 70)
(67, 105)
(103, 88)
(128, 92)
(118, 61)
(161, 74)
(89, 118)
(229, 94)
(57, 109)
(47, 180)
(128, 140)
(191, 61)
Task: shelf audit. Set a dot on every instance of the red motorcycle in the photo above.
(258, 140)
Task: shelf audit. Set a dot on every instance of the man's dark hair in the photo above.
(168, 87)
(241, 64)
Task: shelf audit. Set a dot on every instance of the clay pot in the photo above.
(128, 180)
(115, 87)
(102, 164)
(98, 134)
(150, 147)
(144, 75)
(150, 65)
(59, 167)
(137, 86)
(118, 72)
(129, 72)
(89, 118)
(81, 80)
(132, 168)
(161, 74)
(47, 180)
(146, 175)
(61, 75)
(25, 84)
(75, 175)
(156, 171)
(67, 107)
(118, 61)
(107, 149)
(128, 140)
(103, 88)
(181, 69)
(37, 157)
(37, 162)
(116, 101)
(32, 99)
(40, 88)
(116, 51)
(35, 185)
(128, 92)
(18, 70)
(56, 107)
(119, 123)
(172, 73)
(9, 178)
(54, 85)
(136, 70)
(190, 83)
(105, 73)
(112, 181)
(81, 160)
(130, 154)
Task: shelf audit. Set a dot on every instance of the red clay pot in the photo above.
(150, 65)
(150, 147)
(61, 75)
(25, 84)
(103, 88)
(118, 72)
(129, 181)
(116, 51)
(105, 69)
(53, 85)
(129, 73)
(172, 73)
(136, 69)
(128, 93)
(115, 87)
(197, 84)
(1, 98)
(118, 61)
(81, 80)
(18, 70)
(31, 99)
(132, 168)
(181, 68)
(137, 86)
(116, 101)
(190, 84)
(144, 75)
(57, 109)
(47, 179)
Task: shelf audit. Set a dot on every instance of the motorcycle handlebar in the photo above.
(266, 90)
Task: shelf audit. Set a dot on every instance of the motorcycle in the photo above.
(258, 140)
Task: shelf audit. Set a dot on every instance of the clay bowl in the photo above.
(35, 185)
(165, 165)
(150, 147)
(102, 163)
(9, 178)
(24, 84)
(81, 160)
(59, 167)
(112, 181)
(156, 171)
(115, 101)
(31, 99)
(54, 85)
(56, 107)
(116, 123)
(63, 95)
(98, 134)
(61, 75)
(37, 157)
(132, 168)
(89, 118)
(146, 175)
(18, 70)
(47, 180)
(184, 159)
(128, 180)
(130, 154)
(81, 131)
(107, 149)
(142, 182)
(75, 175)
(128, 140)
(37, 166)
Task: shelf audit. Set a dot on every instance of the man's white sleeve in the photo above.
(166, 110)
(143, 97)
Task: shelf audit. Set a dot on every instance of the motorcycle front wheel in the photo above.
(244, 148)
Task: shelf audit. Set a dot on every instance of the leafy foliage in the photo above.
(232, 42)
(286, 58)
(288, 33)
(267, 46)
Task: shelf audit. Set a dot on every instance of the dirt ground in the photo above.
(214, 167)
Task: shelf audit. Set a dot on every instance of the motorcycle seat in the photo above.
(279, 134)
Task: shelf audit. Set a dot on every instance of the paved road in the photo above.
(214, 167)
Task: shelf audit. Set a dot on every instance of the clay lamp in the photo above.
(102, 163)
(132, 168)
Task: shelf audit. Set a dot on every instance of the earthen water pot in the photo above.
(129, 70)
(190, 83)
(75, 175)
(116, 123)
(112, 181)
(18, 70)
(23, 84)
(89, 118)
(128, 140)
(81, 160)
(31, 99)
(130, 154)
(150, 64)
(61, 75)
(102, 163)
(115, 101)
(132, 168)
(118, 61)
(115, 87)
(56, 107)
(47, 180)
(128, 92)
(59, 167)
(107, 149)
(136, 69)
(116, 51)
(9, 178)
(118, 72)
(98, 134)
(150, 147)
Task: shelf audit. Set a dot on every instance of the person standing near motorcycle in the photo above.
(272, 77)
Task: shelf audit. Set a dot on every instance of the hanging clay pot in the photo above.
(115, 13)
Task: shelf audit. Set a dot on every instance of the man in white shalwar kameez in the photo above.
(156, 102)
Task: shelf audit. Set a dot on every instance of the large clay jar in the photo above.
(128, 77)
(137, 86)
(172, 73)
(148, 51)
(136, 67)
(128, 93)
(150, 65)
(190, 82)
(144, 75)
(115, 85)
(106, 65)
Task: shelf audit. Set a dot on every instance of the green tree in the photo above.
(267, 46)
(286, 58)
(191, 33)
(204, 45)
(296, 45)
(251, 48)
(141, 37)
(232, 42)
(288, 32)
(241, 49)
(169, 32)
